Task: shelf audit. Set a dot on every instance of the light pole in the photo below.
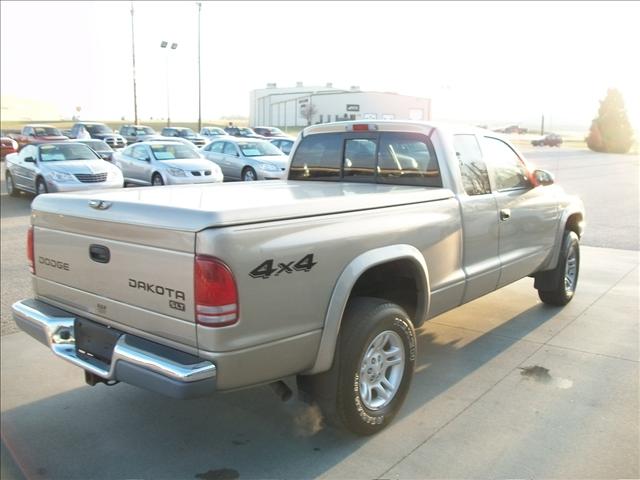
(173, 46)
(199, 75)
(133, 52)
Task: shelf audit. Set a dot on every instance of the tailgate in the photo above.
(144, 288)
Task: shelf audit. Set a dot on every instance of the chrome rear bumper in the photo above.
(134, 360)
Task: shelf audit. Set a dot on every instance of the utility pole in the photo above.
(133, 52)
(542, 125)
(199, 73)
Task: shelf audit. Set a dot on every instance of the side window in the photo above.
(407, 159)
(229, 149)
(475, 177)
(508, 170)
(318, 157)
(28, 151)
(28, 131)
(359, 158)
(140, 153)
(217, 147)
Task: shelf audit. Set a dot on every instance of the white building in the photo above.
(290, 107)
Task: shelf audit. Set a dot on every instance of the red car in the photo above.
(38, 134)
(7, 146)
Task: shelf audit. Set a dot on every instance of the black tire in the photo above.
(156, 180)
(249, 175)
(339, 392)
(41, 186)
(11, 186)
(558, 286)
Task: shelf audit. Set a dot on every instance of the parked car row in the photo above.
(77, 164)
(128, 134)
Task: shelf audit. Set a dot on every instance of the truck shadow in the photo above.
(125, 432)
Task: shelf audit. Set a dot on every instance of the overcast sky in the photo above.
(493, 61)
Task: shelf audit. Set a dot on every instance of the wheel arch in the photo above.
(572, 219)
(352, 276)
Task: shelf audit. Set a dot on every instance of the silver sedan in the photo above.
(165, 163)
(247, 159)
(59, 167)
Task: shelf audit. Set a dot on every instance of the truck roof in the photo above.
(394, 126)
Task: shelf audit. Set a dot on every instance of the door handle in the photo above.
(505, 214)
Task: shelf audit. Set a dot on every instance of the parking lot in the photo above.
(505, 386)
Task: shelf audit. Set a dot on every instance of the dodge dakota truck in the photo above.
(191, 289)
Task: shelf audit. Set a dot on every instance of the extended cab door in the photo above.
(528, 216)
(481, 257)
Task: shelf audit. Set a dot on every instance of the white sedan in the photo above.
(59, 167)
(165, 162)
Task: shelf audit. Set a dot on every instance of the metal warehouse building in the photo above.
(298, 106)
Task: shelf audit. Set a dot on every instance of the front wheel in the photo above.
(41, 187)
(157, 180)
(372, 369)
(558, 286)
(249, 175)
(11, 186)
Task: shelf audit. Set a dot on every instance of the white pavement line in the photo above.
(490, 388)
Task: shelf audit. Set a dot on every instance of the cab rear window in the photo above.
(396, 158)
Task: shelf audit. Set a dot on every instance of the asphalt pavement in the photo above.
(504, 387)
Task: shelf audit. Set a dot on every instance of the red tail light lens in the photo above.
(30, 255)
(360, 127)
(216, 294)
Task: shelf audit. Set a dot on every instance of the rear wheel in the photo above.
(156, 180)
(11, 186)
(41, 187)
(372, 369)
(558, 286)
(249, 175)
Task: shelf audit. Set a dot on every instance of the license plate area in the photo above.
(95, 340)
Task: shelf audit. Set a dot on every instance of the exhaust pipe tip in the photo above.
(282, 390)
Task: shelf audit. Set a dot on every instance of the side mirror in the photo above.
(543, 177)
(30, 160)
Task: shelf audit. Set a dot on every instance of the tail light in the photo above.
(30, 255)
(216, 294)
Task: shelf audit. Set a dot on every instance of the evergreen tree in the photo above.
(611, 130)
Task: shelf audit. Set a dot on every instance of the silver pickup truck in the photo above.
(190, 289)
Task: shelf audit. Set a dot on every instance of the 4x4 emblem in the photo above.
(99, 204)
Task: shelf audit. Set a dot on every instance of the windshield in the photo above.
(247, 130)
(97, 145)
(186, 132)
(61, 153)
(215, 131)
(97, 128)
(257, 149)
(144, 131)
(275, 130)
(173, 151)
(43, 131)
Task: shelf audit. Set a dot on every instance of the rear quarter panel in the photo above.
(293, 302)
